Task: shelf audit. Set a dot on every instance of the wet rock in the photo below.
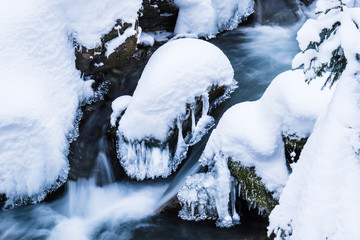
(171, 207)
(282, 12)
(92, 61)
(307, 2)
(2, 200)
(158, 15)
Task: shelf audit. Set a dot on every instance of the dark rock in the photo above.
(171, 207)
(307, 2)
(2, 200)
(282, 12)
(92, 61)
(158, 15)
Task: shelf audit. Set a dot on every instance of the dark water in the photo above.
(125, 209)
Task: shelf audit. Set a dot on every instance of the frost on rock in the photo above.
(206, 18)
(170, 107)
(245, 153)
(39, 100)
(321, 198)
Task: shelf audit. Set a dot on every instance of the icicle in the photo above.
(205, 100)
(193, 124)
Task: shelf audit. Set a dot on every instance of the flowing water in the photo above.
(108, 207)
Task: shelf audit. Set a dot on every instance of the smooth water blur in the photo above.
(126, 210)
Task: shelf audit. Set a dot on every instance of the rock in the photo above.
(307, 2)
(158, 15)
(92, 61)
(2, 200)
(282, 12)
(252, 188)
(171, 207)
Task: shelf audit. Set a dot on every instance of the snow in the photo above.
(119, 40)
(40, 95)
(149, 38)
(206, 18)
(42, 90)
(146, 39)
(89, 20)
(175, 75)
(251, 133)
(320, 200)
(118, 106)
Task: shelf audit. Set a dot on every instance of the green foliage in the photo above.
(337, 63)
(252, 188)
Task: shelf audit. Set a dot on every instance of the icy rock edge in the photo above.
(245, 153)
(169, 111)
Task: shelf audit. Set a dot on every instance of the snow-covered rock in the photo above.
(39, 99)
(206, 18)
(170, 106)
(105, 32)
(250, 135)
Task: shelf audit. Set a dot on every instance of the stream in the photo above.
(107, 205)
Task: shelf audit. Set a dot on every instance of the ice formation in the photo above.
(206, 18)
(321, 198)
(170, 106)
(250, 133)
(41, 88)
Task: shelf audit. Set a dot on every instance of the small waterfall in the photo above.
(103, 172)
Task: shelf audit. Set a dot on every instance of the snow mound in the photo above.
(206, 18)
(251, 133)
(39, 100)
(170, 106)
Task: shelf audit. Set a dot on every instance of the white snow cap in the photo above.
(175, 75)
(206, 18)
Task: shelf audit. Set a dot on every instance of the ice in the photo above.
(251, 133)
(206, 18)
(162, 102)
